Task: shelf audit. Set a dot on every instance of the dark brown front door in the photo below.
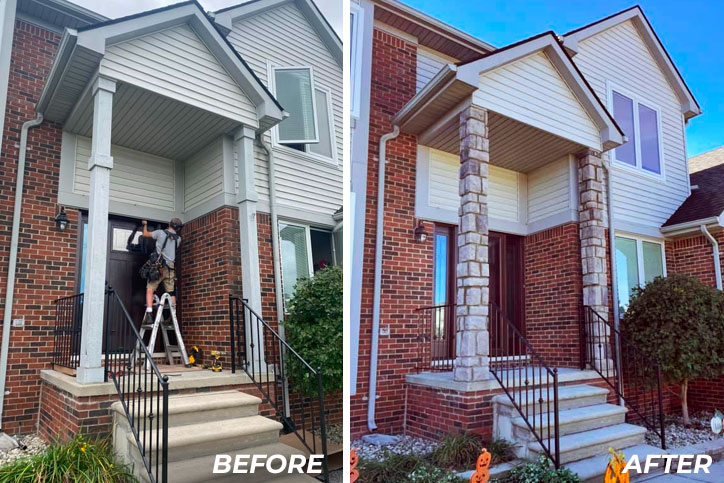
(505, 254)
(122, 266)
(443, 315)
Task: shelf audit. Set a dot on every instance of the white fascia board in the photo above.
(611, 136)
(225, 19)
(689, 106)
(692, 226)
(428, 93)
(57, 70)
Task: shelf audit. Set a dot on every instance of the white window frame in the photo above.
(636, 100)
(332, 137)
(640, 254)
(271, 71)
(355, 59)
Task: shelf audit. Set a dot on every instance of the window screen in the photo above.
(624, 114)
(324, 146)
(294, 91)
(653, 261)
(649, 132)
(627, 269)
(295, 257)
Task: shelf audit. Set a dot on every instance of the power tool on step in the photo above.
(216, 365)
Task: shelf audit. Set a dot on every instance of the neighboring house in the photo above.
(230, 121)
(480, 243)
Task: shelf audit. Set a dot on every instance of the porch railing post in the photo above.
(231, 332)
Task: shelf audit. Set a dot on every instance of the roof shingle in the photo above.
(707, 200)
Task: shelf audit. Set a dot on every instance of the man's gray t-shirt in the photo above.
(169, 252)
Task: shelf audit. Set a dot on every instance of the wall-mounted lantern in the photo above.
(61, 221)
(420, 232)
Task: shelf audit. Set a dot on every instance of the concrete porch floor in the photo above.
(444, 380)
(179, 378)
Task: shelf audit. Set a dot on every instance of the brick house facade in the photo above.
(541, 268)
(47, 397)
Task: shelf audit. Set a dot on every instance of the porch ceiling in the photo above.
(152, 123)
(513, 144)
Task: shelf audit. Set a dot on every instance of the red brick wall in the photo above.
(693, 256)
(211, 270)
(407, 265)
(46, 257)
(553, 297)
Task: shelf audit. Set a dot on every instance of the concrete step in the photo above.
(569, 397)
(591, 470)
(201, 469)
(188, 409)
(570, 420)
(215, 437)
(578, 446)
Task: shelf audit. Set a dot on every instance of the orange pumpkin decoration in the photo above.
(353, 460)
(614, 470)
(482, 468)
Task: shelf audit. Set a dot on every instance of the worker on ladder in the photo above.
(167, 242)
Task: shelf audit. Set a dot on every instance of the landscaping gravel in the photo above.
(29, 444)
(678, 436)
(404, 445)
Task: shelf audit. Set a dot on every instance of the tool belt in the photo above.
(151, 270)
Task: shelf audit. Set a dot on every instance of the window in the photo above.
(355, 57)
(304, 251)
(637, 263)
(640, 122)
(120, 238)
(293, 87)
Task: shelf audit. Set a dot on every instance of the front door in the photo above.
(505, 255)
(122, 266)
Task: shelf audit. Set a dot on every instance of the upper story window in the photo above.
(356, 16)
(294, 88)
(310, 125)
(641, 123)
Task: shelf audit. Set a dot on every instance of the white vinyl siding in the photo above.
(136, 178)
(203, 175)
(549, 190)
(619, 56)
(530, 90)
(175, 63)
(503, 186)
(429, 63)
(283, 37)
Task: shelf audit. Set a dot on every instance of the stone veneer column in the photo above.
(592, 231)
(471, 361)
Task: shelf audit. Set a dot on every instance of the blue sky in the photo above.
(691, 32)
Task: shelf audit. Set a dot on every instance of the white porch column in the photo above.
(99, 165)
(247, 199)
(472, 361)
(592, 232)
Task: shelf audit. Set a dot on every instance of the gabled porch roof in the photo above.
(532, 69)
(86, 53)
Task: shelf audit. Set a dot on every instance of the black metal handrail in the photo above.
(527, 380)
(634, 370)
(66, 334)
(436, 346)
(142, 389)
(288, 383)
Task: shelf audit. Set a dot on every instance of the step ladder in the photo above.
(166, 324)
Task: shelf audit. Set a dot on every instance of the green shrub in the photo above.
(541, 471)
(393, 468)
(461, 451)
(80, 459)
(678, 321)
(313, 326)
(432, 474)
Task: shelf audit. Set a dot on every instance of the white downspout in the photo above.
(12, 264)
(717, 261)
(379, 239)
(278, 295)
(614, 279)
(336, 228)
